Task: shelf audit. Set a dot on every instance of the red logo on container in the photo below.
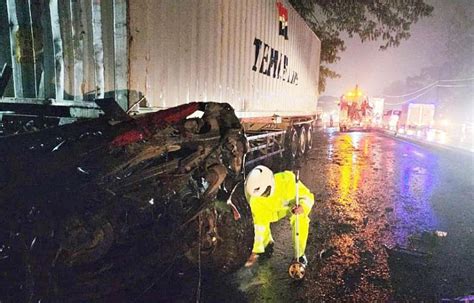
(283, 20)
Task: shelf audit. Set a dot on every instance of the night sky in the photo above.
(375, 70)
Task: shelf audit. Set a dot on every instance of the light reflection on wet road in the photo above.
(374, 192)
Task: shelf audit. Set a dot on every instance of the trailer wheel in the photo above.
(291, 144)
(302, 138)
(309, 137)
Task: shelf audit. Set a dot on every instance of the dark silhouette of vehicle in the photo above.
(107, 205)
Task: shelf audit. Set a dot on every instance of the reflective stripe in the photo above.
(306, 201)
(263, 236)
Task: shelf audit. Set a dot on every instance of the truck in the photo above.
(390, 119)
(126, 130)
(260, 57)
(416, 118)
(377, 105)
(355, 112)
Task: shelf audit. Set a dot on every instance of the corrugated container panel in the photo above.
(47, 88)
(5, 51)
(58, 52)
(67, 37)
(120, 51)
(77, 50)
(107, 32)
(212, 15)
(27, 41)
(222, 57)
(88, 85)
(14, 34)
(62, 49)
(98, 47)
(249, 88)
(182, 51)
(191, 70)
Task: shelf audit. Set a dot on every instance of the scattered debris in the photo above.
(33, 243)
(58, 146)
(440, 234)
(326, 253)
(80, 169)
(400, 252)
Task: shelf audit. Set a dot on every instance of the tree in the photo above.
(371, 20)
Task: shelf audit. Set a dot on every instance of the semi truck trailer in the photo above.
(258, 56)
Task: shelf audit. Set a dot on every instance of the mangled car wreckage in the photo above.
(100, 205)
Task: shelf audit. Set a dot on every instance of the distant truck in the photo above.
(355, 111)
(377, 112)
(416, 117)
(390, 119)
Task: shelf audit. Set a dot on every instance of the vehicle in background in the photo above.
(466, 139)
(390, 119)
(416, 119)
(377, 105)
(330, 111)
(355, 112)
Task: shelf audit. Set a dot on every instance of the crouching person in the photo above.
(272, 198)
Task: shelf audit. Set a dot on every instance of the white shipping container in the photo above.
(224, 51)
(257, 55)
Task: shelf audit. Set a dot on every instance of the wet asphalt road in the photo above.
(379, 203)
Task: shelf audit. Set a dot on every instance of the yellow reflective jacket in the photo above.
(279, 204)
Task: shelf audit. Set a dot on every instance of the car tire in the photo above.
(233, 239)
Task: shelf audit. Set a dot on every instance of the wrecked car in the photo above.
(95, 207)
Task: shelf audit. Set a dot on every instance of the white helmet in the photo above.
(258, 181)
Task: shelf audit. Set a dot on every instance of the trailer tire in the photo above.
(291, 145)
(302, 138)
(309, 137)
